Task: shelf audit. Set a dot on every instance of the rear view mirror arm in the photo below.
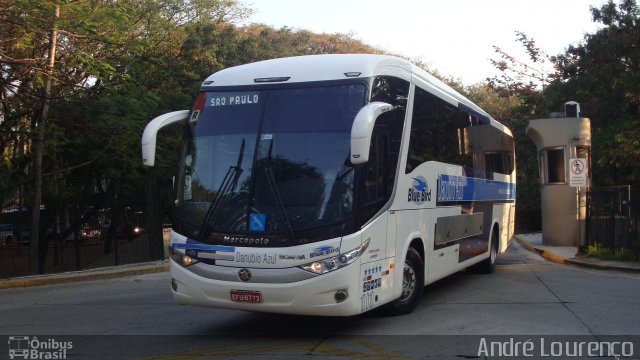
(362, 129)
(151, 132)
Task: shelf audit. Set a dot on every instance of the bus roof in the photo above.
(311, 68)
(336, 67)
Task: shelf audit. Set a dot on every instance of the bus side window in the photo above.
(384, 155)
(437, 132)
(500, 162)
(394, 91)
(375, 189)
(375, 179)
(495, 162)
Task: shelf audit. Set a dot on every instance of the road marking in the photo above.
(349, 346)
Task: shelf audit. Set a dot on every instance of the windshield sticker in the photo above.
(217, 100)
(194, 116)
(188, 193)
(257, 222)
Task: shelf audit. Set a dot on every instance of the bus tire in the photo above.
(412, 285)
(487, 265)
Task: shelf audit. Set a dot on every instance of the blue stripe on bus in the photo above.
(452, 188)
(203, 247)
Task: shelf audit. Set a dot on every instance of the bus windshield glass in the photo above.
(269, 161)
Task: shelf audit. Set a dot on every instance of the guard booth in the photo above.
(564, 156)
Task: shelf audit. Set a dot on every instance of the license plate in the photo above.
(246, 296)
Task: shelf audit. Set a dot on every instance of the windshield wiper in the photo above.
(273, 186)
(229, 184)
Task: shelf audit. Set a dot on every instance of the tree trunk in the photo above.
(38, 149)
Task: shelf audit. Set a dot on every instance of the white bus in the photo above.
(332, 185)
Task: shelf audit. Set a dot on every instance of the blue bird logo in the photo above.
(323, 249)
(421, 184)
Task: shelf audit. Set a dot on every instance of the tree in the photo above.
(57, 56)
(261, 42)
(39, 141)
(529, 74)
(500, 106)
(525, 78)
(603, 74)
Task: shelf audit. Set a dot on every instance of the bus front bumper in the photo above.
(322, 295)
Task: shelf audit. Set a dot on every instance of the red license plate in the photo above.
(246, 296)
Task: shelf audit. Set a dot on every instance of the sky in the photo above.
(455, 37)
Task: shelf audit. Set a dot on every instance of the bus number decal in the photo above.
(371, 284)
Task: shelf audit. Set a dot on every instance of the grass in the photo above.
(606, 253)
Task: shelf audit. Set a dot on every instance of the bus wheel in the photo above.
(412, 285)
(487, 265)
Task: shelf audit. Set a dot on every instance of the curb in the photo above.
(549, 255)
(603, 266)
(100, 274)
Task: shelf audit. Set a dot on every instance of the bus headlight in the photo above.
(333, 263)
(183, 259)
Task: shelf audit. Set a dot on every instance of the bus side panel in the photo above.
(411, 225)
(443, 257)
(503, 216)
(376, 274)
(376, 233)
(463, 212)
(512, 225)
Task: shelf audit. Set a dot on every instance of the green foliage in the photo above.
(115, 67)
(603, 74)
(524, 80)
(597, 250)
(118, 65)
(500, 106)
(522, 76)
(605, 253)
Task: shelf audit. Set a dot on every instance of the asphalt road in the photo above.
(526, 298)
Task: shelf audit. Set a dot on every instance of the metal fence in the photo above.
(85, 223)
(528, 218)
(613, 215)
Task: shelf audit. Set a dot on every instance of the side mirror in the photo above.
(362, 128)
(151, 132)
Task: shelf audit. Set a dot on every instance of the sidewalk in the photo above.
(569, 255)
(95, 274)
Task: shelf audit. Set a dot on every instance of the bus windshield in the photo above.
(269, 161)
